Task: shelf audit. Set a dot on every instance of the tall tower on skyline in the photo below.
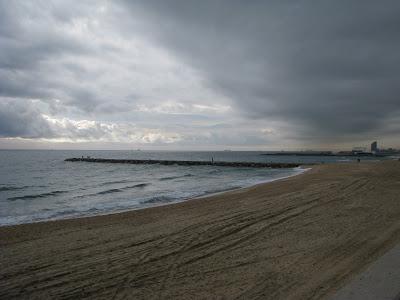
(374, 147)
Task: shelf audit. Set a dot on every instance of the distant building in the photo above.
(374, 147)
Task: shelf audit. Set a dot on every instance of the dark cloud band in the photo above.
(324, 71)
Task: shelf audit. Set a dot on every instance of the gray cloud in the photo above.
(312, 73)
(29, 34)
(79, 54)
(21, 119)
(331, 67)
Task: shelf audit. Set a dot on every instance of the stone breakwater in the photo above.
(185, 163)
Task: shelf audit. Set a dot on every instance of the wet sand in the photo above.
(298, 238)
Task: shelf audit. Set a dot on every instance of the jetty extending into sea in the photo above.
(184, 162)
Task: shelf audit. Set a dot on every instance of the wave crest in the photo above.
(175, 177)
(42, 195)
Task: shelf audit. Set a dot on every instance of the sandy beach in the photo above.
(302, 237)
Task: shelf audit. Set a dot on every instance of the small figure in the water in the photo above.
(358, 160)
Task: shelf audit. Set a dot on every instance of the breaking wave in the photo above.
(175, 177)
(160, 199)
(116, 190)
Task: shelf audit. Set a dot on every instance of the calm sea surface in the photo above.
(38, 185)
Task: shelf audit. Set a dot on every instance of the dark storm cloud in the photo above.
(315, 71)
(328, 66)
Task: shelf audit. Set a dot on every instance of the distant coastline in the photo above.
(327, 153)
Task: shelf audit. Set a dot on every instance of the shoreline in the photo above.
(298, 238)
(309, 167)
(206, 195)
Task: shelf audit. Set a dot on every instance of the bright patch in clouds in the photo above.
(68, 130)
(183, 108)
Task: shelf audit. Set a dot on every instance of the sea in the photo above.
(38, 185)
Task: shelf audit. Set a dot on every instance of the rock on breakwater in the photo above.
(185, 162)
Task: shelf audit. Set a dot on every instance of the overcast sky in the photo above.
(262, 75)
